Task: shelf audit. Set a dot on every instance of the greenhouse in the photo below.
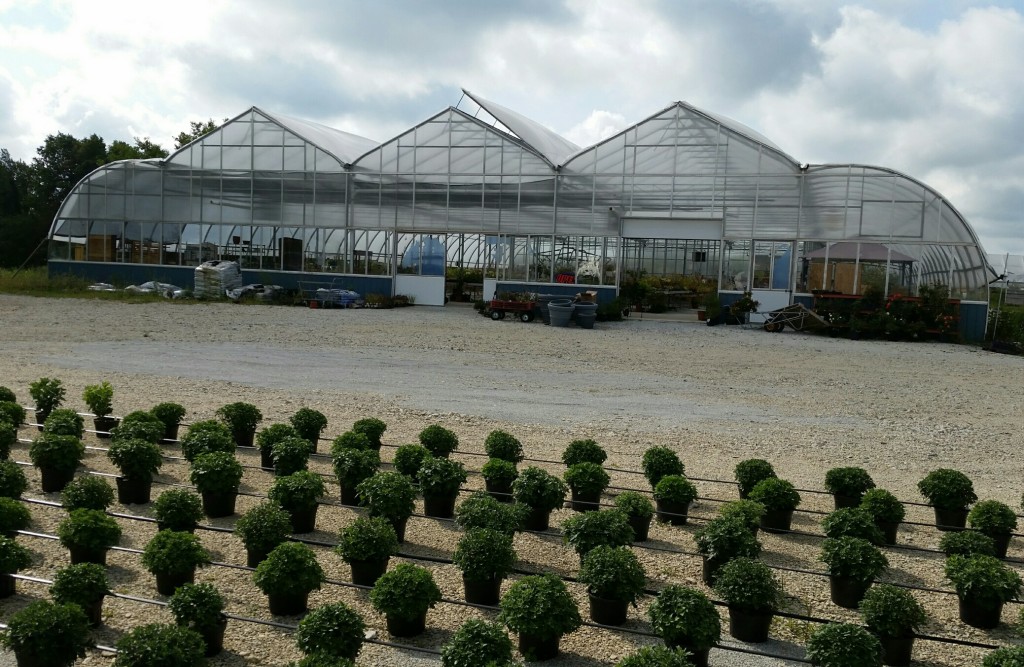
(478, 198)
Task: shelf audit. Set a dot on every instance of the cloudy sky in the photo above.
(934, 88)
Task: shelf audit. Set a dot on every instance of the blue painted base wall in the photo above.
(605, 293)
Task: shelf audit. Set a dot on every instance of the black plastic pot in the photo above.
(303, 519)
(406, 627)
(979, 616)
(536, 649)
(500, 492)
(440, 507)
(1002, 543)
(673, 513)
(349, 496)
(288, 604)
(170, 433)
(6, 585)
(843, 502)
(710, 568)
(847, 592)
(133, 491)
(266, 459)
(55, 479)
(608, 612)
(83, 555)
(699, 658)
(27, 657)
(214, 637)
(217, 504)
(537, 519)
(750, 627)
(244, 438)
(312, 437)
(367, 572)
(896, 651)
(41, 416)
(950, 519)
(254, 558)
(777, 521)
(94, 612)
(586, 502)
(166, 584)
(482, 592)
(641, 526)
(889, 530)
(104, 425)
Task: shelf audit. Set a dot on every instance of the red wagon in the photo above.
(524, 310)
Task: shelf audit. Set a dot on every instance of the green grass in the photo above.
(37, 282)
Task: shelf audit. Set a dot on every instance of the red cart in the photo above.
(524, 310)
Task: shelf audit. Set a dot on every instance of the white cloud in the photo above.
(599, 125)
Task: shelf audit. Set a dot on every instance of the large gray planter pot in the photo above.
(560, 312)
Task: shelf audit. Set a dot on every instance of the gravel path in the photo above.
(716, 395)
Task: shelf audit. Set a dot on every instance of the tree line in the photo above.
(32, 192)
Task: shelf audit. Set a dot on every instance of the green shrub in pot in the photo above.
(13, 558)
(848, 482)
(405, 592)
(332, 630)
(947, 489)
(199, 607)
(273, 434)
(476, 643)
(14, 516)
(178, 509)
(290, 569)
(64, 421)
(484, 554)
(206, 437)
(539, 606)
(1007, 656)
(659, 462)
(309, 424)
(967, 543)
(352, 466)
(685, 617)
(992, 518)
(99, 398)
(749, 585)
(263, 527)
(216, 472)
(438, 440)
(174, 553)
(6, 395)
(352, 440)
(290, 455)
(586, 479)
(388, 494)
(84, 584)
(52, 634)
(591, 529)
(892, 612)
(12, 479)
(583, 451)
(241, 418)
(440, 477)
(883, 506)
(775, 494)
(539, 489)
(12, 413)
(170, 415)
(87, 492)
(613, 573)
(748, 511)
(367, 539)
(634, 504)
(851, 522)
(657, 656)
(409, 458)
(480, 510)
(139, 424)
(160, 645)
(982, 581)
(88, 530)
(674, 493)
(853, 559)
(504, 446)
(297, 492)
(499, 473)
(372, 428)
(844, 645)
(137, 459)
(8, 438)
(47, 394)
(722, 539)
(751, 471)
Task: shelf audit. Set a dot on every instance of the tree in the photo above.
(142, 150)
(196, 130)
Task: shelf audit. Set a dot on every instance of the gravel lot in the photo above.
(716, 395)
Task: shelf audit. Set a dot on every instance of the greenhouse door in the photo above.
(772, 275)
(421, 268)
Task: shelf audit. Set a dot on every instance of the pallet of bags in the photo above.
(215, 278)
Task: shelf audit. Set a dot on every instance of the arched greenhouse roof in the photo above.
(555, 148)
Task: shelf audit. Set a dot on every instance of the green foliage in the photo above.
(99, 398)
(178, 509)
(539, 489)
(613, 573)
(136, 459)
(586, 478)
(659, 462)
(351, 440)
(484, 554)
(367, 539)
(634, 504)
(967, 543)
(352, 466)
(216, 472)
(438, 440)
(13, 556)
(890, 611)
(87, 492)
(587, 530)
(334, 630)
(992, 518)
(263, 527)
(309, 423)
(583, 451)
(983, 579)
(139, 424)
(852, 522)
(1007, 656)
(499, 472)
(47, 393)
(477, 643)
(657, 656)
(290, 569)
(240, 417)
(440, 477)
(160, 645)
(947, 489)
(14, 516)
(852, 557)
(297, 492)
(405, 592)
(197, 606)
(725, 538)
(844, 645)
(82, 584)
(12, 413)
(88, 529)
(685, 616)
(480, 510)
(322, 660)
(7, 396)
(675, 489)
(169, 413)
(504, 446)
(409, 458)
(173, 552)
(206, 437)
(850, 481)
(273, 434)
(54, 634)
(65, 421)
(748, 585)
(539, 606)
(882, 506)
(8, 438)
(751, 471)
(388, 494)
(372, 428)
(12, 478)
(775, 494)
(748, 511)
(291, 455)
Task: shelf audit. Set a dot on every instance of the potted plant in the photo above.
(583, 451)
(290, 455)
(216, 476)
(200, 607)
(685, 617)
(498, 477)
(57, 457)
(996, 520)
(438, 440)
(242, 419)
(722, 539)
(170, 415)
(673, 495)
(542, 492)
(742, 307)
(751, 471)
(270, 436)
(893, 615)
(404, 595)
(12, 479)
(172, 557)
(299, 495)
(615, 579)
(504, 446)
(352, 466)
(139, 424)
(660, 462)
(160, 644)
(6, 395)
(967, 543)
(586, 481)
(779, 498)
(206, 437)
(100, 399)
(47, 634)
(87, 492)
(886, 510)
(12, 413)
(843, 645)
(261, 529)
(14, 516)
(47, 394)
(178, 509)
(658, 656)
(539, 608)
(84, 585)
(372, 428)
(389, 495)
(87, 535)
(638, 510)
(367, 545)
(440, 481)
(137, 460)
(333, 630)
(949, 492)
(1008, 656)
(65, 421)
(748, 511)
(752, 594)
(847, 485)
(309, 424)
(409, 458)
(591, 529)
(983, 584)
(8, 438)
(852, 522)
(287, 576)
(477, 642)
(485, 557)
(13, 558)
(481, 510)
(853, 563)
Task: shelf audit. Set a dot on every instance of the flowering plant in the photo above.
(745, 304)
